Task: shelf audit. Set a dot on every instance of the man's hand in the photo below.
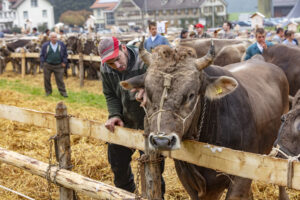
(140, 96)
(264, 45)
(63, 64)
(112, 122)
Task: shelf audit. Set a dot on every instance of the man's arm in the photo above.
(43, 55)
(114, 104)
(166, 41)
(65, 53)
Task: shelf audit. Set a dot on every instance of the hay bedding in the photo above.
(88, 155)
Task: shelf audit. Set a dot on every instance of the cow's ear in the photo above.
(219, 87)
(134, 82)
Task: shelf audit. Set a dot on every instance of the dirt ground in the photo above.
(88, 155)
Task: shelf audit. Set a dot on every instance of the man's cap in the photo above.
(108, 48)
(199, 26)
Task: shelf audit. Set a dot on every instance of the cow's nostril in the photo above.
(173, 140)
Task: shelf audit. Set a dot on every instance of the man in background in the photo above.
(200, 31)
(155, 38)
(54, 59)
(260, 45)
(279, 37)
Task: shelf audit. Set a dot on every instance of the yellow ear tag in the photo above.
(219, 90)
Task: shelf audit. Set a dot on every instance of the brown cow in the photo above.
(227, 51)
(288, 59)
(238, 106)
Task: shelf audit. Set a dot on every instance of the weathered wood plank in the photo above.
(244, 164)
(91, 58)
(68, 179)
(28, 116)
(63, 150)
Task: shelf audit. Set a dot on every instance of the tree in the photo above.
(65, 5)
(75, 17)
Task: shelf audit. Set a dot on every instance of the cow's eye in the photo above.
(283, 117)
(191, 96)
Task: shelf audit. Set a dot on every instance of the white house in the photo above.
(257, 20)
(38, 12)
(103, 12)
(7, 15)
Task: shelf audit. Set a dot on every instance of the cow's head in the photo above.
(288, 139)
(72, 44)
(176, 86)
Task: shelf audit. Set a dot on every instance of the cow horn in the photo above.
(144, 54)
(205, 61)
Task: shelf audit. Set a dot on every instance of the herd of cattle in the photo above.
(238, 106)
(75, 45)
(233, 103)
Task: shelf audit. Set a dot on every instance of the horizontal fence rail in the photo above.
(244, 164)
(92, 58)
(69, 179)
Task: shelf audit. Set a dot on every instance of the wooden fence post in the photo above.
(63, 149)
(23, 62)
(152, 173)
(81, 69)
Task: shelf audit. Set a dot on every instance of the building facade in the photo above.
(178, 13)
(7, 15)
(281, 8)
(33, 13)
(103, 13)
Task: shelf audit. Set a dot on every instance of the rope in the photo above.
(290, 167)
(18, 193)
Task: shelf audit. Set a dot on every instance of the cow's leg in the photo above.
(28, 67)
(283, 194)
(240, 189)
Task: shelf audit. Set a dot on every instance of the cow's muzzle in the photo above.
(164, 142)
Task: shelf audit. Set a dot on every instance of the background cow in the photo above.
(288, 59)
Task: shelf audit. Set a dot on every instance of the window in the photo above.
(178, 12)
(195, 10)
(0, 15)
(34, 3)
(25, 14)
(186, 11)
(99, 12)
(220, 9)
(5, 15)
(110, 19)
(171, 12)
(44, 13)
(164, 12)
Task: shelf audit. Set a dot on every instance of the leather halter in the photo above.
(167, 85)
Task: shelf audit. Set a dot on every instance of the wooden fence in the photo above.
(248, 165)
(80, 57)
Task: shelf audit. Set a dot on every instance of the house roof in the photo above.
(105, 4)
(152, 5)
(284, 3)
(257, 13)
(19, 2)
(294, 13)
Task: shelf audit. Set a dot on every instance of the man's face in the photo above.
(199, 30)
(281, 34)
(120, 62)
(153, 30)
(53, 39)
(225, 27)
(260, 38)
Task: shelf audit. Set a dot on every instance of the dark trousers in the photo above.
(58, 71)
(119, 158)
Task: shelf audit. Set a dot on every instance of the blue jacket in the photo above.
(253, 50)
(63, 52)
(159, 40)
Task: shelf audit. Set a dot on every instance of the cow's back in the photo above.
(288, 59)
(267, 88)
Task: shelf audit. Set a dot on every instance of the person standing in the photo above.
(278, 38)
(226, 33)
(54, 59)
(200, 31)
(260, 45)
(290, 39)
(119, 63)
(155, 38)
